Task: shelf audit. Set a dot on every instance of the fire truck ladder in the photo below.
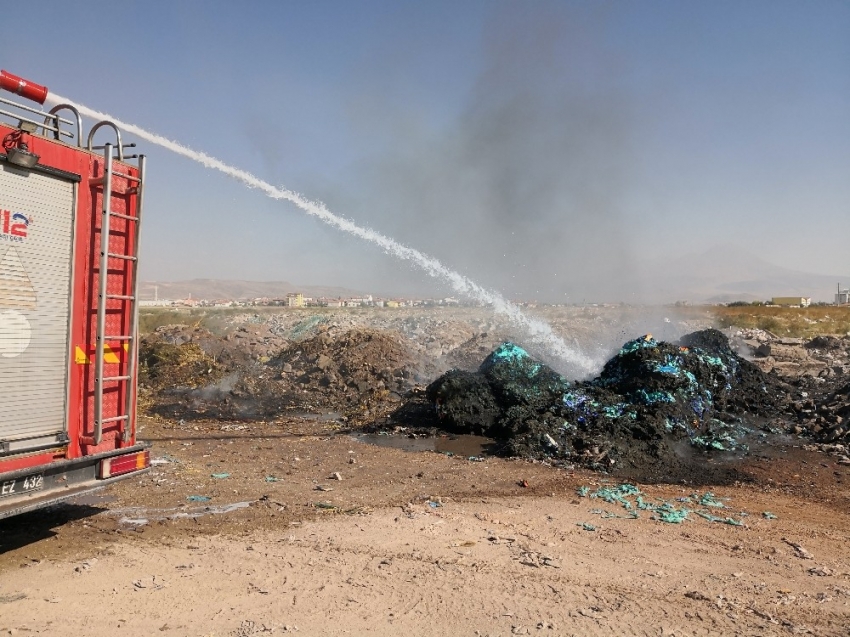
(101, 338)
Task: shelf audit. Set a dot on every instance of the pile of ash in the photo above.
(649, 399)
(190, 373)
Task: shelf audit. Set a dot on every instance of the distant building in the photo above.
(792, 301)
(295, 299)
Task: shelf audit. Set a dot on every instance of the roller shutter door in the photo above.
(36, 229)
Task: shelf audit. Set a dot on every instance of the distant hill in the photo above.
(726, 273)
(234, 290)
(719, 275)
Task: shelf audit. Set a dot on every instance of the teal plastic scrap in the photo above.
(198, 498)
(613, 495)
(639, 343)
(767, 515)
(514, 354)
(672, 512)
(219, 476)
(613, 411)
(667, 512)
(708, 500)
(649, 398)
(586, 526)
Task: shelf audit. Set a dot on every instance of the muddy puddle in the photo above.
(463, 445)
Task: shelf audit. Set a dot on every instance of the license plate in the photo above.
(25, 484)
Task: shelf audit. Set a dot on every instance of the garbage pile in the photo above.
(816, 370)
(649, 398)
(251, 373)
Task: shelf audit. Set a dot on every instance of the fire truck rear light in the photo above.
(124, 464)
(24, 88)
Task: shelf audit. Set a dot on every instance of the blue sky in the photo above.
(543, 148)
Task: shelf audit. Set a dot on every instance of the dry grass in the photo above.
(787, 321)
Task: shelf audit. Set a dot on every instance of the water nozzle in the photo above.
(24, 88)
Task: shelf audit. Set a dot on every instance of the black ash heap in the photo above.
(650, 399)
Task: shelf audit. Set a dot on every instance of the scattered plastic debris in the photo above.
(198, 498)
(708, 500)
(586, 526)
(220, 476)
(767, 515)
(633, 500)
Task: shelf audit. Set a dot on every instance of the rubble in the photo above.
(192, 374)
(648, 396)
(712, 392)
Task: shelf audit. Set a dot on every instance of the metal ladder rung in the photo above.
(122, 216)
(125, 176)
(115, 379)
(114, 419)
(117, 338)
(126, 257)
(123, 297)
(97, 181)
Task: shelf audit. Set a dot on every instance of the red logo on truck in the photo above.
(14, 226)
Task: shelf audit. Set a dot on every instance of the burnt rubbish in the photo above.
(649, 399)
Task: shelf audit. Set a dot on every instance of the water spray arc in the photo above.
(539, 332)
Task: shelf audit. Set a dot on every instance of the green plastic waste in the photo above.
(708, 500)
(672, 512)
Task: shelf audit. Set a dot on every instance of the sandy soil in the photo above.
(419, 544)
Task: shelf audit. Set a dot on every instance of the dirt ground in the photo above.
(420, 544)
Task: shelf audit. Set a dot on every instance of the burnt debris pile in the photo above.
(649, 399)
(250, 373)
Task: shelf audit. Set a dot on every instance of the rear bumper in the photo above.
(66, 479)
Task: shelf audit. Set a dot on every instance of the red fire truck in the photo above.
(69, 236)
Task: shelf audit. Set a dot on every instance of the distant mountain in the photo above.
(234, 290)
(726, 273)
(720, 275)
